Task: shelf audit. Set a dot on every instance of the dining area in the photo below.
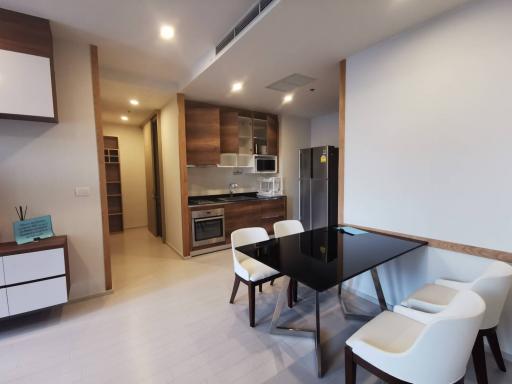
(429, 336)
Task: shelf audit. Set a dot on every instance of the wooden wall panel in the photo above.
(185, 218)
(101, 165)
(341, 144)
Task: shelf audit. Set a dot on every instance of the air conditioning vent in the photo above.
(289, 83)
(252, 14)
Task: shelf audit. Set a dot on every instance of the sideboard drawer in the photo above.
(4, 309)
(2, 278)
(33, 266)
(41, 294)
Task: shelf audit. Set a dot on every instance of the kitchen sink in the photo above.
(236, 198)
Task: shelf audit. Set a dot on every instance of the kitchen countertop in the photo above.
(195, 201)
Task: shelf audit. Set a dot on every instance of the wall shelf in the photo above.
(113, 180)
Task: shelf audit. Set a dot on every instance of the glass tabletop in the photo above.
(325, 257)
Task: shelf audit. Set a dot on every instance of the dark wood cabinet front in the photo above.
(203, 135)
(229, 132)
(272, 135)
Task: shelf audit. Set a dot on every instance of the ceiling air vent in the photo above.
(289, 83)
(252, 14)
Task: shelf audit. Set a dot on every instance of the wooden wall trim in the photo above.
(101, 164)
(448, 245)
(341, 143)
(185, 219)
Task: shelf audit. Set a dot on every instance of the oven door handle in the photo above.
(208, 219)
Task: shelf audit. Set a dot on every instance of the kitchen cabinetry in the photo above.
(213, 131)
(202, 135)
(252, 213)
(26, 65)
(33, 276)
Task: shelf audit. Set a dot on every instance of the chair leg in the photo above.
(236, 284)
(479, 360)
(350, 366)
(492, 338)
(272, 282)
(290, 294)
(252, 303)
(260, 288)
(339, 289)
(295, 291)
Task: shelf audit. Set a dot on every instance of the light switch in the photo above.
(82, 191)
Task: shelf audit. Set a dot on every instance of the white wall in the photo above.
(41, 164)
(133, 173)
(171, 174)
(294, 134)
(428, 143)
(324, 130)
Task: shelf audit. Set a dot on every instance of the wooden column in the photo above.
(185, 220)
(341, 144)
(101, 164)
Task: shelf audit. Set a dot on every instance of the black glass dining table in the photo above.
(322, 259)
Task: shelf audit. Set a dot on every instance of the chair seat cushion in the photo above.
(431, 298)
(252, 270)
(388, 331)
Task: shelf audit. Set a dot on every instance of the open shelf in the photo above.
(113, 180)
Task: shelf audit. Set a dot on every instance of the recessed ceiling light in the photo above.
(124, 118)
(134, 102)
(237, 87)
(166, 32)
(288, 98)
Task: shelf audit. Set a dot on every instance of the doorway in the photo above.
(154, 180)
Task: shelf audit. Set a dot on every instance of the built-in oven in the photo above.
(208, 227)
(265, 164)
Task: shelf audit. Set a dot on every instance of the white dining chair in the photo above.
(493, 286)
(409, 346)
(248, 270)
(286, 228)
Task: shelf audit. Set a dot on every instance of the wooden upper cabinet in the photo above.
(229, 132)
(272, 135)
(202, 126)
(26, 65)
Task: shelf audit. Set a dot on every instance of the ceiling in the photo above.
(299, 36)
(293, 36)
(127, 35)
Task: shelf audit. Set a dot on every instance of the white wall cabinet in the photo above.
(33, 276)
(27, 81)
(26, 85)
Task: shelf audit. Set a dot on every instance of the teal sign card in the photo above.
(37, 228)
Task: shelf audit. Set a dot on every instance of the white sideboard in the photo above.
(33, 276)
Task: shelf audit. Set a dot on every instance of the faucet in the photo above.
(232, 188)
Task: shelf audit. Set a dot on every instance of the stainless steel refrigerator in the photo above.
(318, 182)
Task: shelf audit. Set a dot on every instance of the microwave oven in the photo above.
(265, 164)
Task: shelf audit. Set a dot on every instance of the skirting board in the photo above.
(374, 300)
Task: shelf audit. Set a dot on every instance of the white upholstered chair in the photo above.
(493, 286)
(248, 270)
(286, 228)
(409, 346)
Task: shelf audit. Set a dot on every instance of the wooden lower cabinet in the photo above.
(262, 213)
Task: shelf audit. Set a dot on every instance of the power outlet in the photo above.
(82, 191)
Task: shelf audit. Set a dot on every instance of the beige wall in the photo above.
(171, 174)
(41, 164)
(294, 134)
(133, 173)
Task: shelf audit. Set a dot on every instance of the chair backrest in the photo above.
(493, 286)
(441, 352)
(287, 227)
(246, 236)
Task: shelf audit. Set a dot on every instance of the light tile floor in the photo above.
(169, 321)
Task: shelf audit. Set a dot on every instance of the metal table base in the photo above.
(284, 330)
(348, 314)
